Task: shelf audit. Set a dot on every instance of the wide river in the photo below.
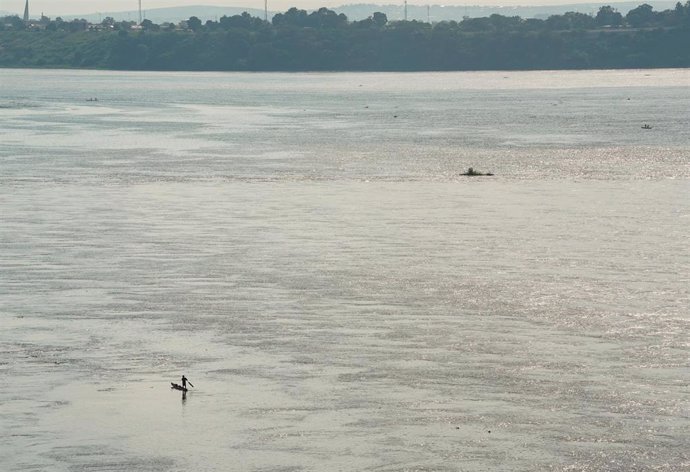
(304, 248)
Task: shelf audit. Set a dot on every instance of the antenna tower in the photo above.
(266, 10)
(26, 12)
(405, 10)
(139, 11)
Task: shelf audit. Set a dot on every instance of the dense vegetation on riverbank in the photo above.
(324, 40)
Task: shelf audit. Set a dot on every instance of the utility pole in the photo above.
(139, 11)
(266, 11)
(405, 10)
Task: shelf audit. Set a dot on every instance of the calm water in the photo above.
(303, 248)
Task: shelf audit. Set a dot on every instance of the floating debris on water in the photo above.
(473, 173)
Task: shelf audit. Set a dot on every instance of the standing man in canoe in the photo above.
(184, 382)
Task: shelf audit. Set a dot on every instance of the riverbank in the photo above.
(414, 47)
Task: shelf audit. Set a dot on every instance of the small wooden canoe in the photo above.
(177, 387)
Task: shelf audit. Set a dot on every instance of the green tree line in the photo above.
(298, 40)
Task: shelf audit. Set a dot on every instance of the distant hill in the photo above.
(356, 12)
(454, 12)
(172, 14)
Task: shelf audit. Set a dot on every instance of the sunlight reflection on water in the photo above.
(340, 297)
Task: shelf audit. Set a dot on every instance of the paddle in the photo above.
(190, 383)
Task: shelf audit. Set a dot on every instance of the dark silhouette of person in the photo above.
(184, 381)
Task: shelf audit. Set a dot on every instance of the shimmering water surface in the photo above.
(303, 248)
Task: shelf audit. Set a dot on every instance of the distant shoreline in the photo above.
(325, 41)
(107, 51)
(334, 71)
(362, 10)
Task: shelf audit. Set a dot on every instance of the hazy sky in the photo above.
(65, 7)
